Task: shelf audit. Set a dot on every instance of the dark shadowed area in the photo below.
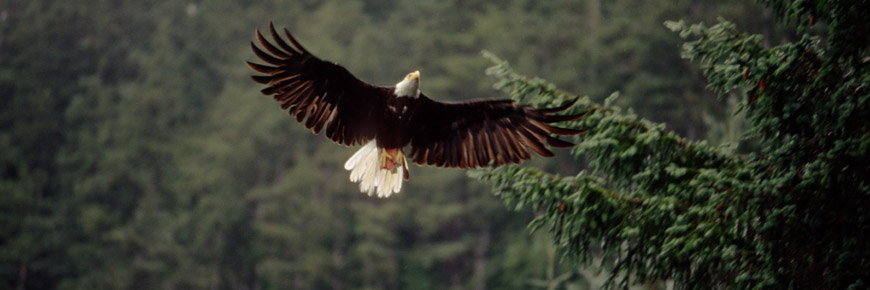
(137, 153)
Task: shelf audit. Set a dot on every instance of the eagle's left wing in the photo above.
(471, 134)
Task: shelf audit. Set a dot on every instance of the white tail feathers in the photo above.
(365, 168)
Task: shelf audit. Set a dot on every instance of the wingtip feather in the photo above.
(262, 79)
(294, 42)
(264, 56)
(559, 108)
(556, 142)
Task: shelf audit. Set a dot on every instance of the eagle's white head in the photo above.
(410, 86)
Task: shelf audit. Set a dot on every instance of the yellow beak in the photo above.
(414, 75)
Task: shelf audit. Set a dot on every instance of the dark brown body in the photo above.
(396, 123)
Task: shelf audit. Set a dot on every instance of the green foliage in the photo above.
(135, 152)
(656, 206)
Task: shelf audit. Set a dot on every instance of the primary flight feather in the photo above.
(322, 94)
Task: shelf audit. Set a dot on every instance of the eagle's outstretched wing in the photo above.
(471, 134)
(325, 92)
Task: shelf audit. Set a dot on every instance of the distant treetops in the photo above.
(469, 134)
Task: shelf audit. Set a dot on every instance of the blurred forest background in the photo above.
(136, 153)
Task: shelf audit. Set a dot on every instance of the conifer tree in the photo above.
(795, 213)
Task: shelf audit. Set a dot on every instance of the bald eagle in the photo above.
(387, 119)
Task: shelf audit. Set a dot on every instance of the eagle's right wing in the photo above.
(325, 92)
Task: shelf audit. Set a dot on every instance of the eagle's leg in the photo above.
(390, 158)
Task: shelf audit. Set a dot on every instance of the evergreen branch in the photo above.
(790, 215)
(655, 180)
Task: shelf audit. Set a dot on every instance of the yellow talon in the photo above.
(396, 159)
(384, 156)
